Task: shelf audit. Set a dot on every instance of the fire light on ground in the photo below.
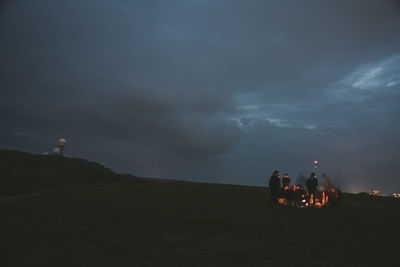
(296, 197)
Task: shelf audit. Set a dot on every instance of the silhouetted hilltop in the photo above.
(22, 172)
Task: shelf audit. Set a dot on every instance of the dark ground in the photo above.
(190, 224)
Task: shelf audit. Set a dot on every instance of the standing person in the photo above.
(312, 184)
(274, 187)
(285, 182)
(335, 198)
(286, 187)
(299, 193)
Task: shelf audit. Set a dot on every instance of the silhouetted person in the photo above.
(285, 192)
(335, 197)
(299, 193)
(274, 187)
(291, 195)
(285, 181)
(312, 184)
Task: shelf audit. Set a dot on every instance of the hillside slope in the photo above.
(22, 172)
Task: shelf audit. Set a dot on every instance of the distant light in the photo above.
(376, 193)
(315, 161)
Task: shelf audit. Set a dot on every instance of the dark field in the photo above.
(189, 224)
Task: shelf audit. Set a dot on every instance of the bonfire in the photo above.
(296, 196)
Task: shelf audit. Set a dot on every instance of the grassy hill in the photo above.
(191, 224)
(22, 172)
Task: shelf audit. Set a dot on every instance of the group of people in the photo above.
(281, 189)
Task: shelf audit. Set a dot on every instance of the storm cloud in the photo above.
(215, 91)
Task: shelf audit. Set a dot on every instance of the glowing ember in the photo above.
(282, 201)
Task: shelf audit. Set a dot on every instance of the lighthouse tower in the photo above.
(59, 150)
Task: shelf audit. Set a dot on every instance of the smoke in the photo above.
(301, 179)
(326, 183)
(334, 180)
(339, 180)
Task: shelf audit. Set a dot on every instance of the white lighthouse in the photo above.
(59, 150)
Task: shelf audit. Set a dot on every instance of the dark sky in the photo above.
(207, 90)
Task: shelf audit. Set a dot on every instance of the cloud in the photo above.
(222, 91)
(375, 76)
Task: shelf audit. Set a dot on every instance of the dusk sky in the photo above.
(222, 91)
